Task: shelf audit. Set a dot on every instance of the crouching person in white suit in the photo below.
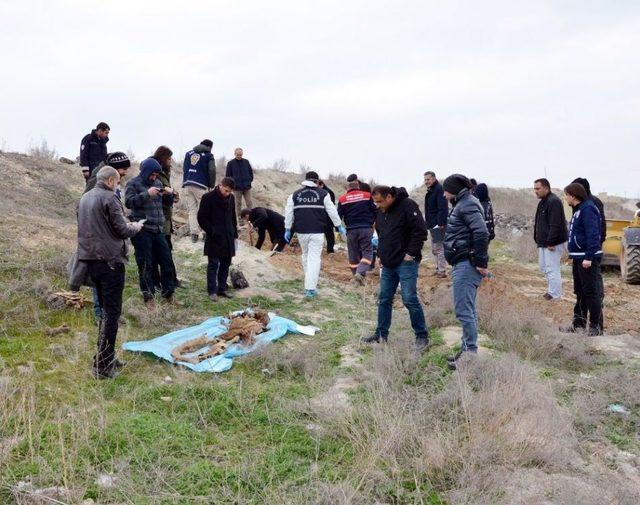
(306, 213)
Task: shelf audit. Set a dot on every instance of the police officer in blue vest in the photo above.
(306, 215)
(199, 176)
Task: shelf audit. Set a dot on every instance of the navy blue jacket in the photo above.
(467, 237)
(199, 168)
(357, 210)
(584, 232)
(241, 172)
(436, 207)
(93, 151)
(141, 203)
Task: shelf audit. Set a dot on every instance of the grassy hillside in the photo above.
(308, 419)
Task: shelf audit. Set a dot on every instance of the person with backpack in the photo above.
(199, 176)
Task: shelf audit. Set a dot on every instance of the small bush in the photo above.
(42, 151)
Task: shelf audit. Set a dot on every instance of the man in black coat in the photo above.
(93, 149)
(239, 169)
(466, 243)
(599, 206)
(436, 209)
(217, 217)
(330, 230)
(550, 235)
(402, 232)
(266, 220)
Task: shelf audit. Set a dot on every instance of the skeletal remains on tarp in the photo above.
(242, 329)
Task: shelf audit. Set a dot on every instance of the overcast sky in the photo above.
(495, 90)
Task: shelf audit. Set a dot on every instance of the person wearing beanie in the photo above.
(436, 209)
(118, 160)
(93, 149)
(239, 169)
(466, 243)
(306, 214)
(357, 210)
(143, 196)
(198, 176)
(401, 235)
(585, 249)
(598, 203)
(352, 178)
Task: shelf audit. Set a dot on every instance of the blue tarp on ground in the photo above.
(162, 346)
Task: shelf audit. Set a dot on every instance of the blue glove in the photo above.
(287, 236)
(342, 230)
(374, 241)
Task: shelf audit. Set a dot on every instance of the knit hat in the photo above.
(312, 176)
(352, 177)
(118, 160)
(456, 183)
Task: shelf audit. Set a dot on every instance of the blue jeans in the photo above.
(405, 274)
(466, 280)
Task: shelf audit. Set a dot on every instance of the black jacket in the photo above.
(603, 219)
(488, 219)
(436, 207)
(93, 151)
(217, 217)
(241, 172)
(264, 220)
(550, 227)
(467, 237)
(401, 230)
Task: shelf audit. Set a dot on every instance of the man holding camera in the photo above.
(143, 195)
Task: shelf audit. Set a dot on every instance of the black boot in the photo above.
(374, 339)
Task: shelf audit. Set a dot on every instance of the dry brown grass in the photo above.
(450, 435)
(528, 333)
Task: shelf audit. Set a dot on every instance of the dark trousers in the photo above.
(276, 235)
(109, 282)
(156, 267)
(151, 249)
(217, 274)
(588, 287)
(330, 235)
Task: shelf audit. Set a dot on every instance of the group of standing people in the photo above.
(582, 240)
(382, 224)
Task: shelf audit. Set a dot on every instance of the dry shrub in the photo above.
(298, 358)
(593, 394)
(439, 306)
(525, 331)
(451, 435)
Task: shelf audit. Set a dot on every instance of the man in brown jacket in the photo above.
(102, 234)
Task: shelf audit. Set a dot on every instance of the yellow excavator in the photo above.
(622, 247)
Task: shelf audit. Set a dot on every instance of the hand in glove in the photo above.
(287, 236)
(342, 230)
(137, 226)
(374, 240)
